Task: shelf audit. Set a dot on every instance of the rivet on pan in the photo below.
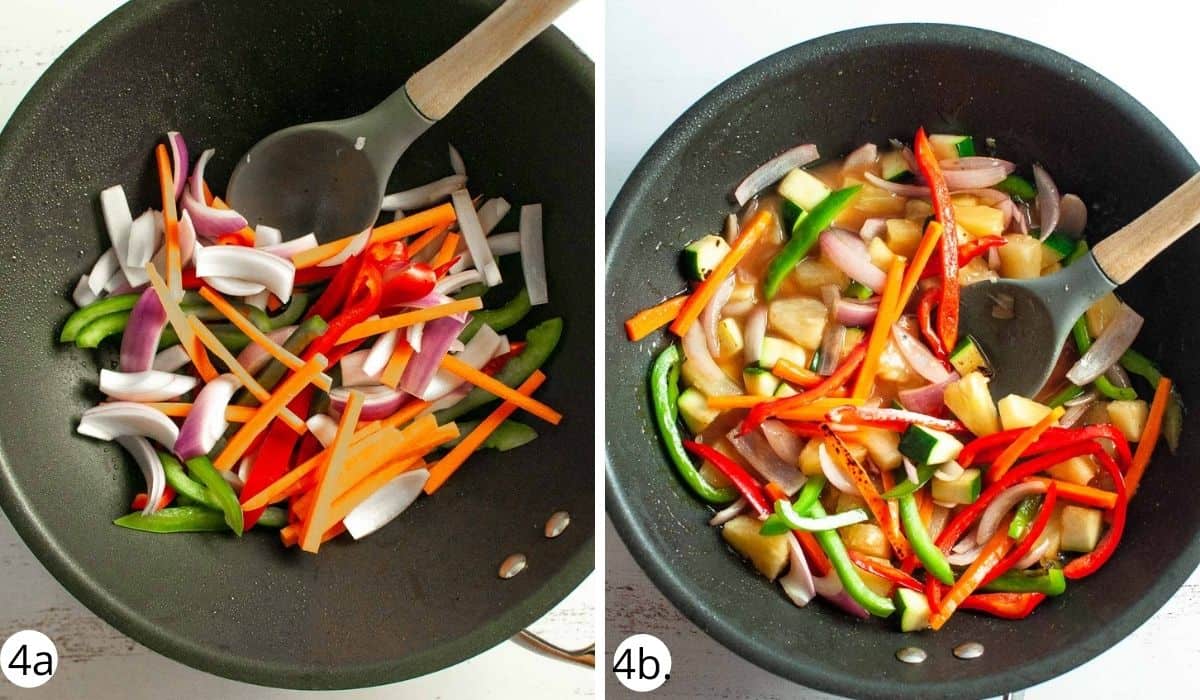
(557, 523)
(969, 650)
(512, 566)
(911, 655)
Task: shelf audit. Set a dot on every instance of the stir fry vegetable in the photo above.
(825, 384)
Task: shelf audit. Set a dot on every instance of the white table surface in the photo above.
(662, 56)
(97, 661)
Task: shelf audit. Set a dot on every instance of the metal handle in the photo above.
(585, 656)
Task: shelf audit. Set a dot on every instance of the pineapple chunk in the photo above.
(849, 501)
(810, 461)
(744, 292)
(1101, 313)
(853, 337)
(918, 210)
(882, 445)
(866, 538)
(892, 365)
(1021, 257)
(768, 553)
(881, 254)
(878, 584)
(1077, 470)
(1129, 417)
(982, 221)
(903, 236)
(729, 337)
(975, 271)
(1020, 412)
(968, 398)
(715, 476)
(1080, 528)
(874, 201)
(800, 319)
(964, 200)
(810, 274)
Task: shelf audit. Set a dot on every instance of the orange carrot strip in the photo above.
(929, 243)
(924, 506)
(726, 403)
(1016, 448)
(1084, 495)
(882, 329)
(879, 508)
(407, 443)
(789, 371)
(244, 324)
(327, 477)
(213, 343)
(446, 252)
(353, 497)
(288, 390)
(367, 329)
(494, 386)
(1149, 437)
(178, 320)
(179, 409)
(450, 463)
(751, 233)
(646, 321)
(394, 370)
(290, 535)
(426, 238)
(166, 186)
(991, 554)
(388, 233)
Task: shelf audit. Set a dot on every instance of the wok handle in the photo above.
(439, 86)
(1125, 252)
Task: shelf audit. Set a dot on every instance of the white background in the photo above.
(662, 56)
(98, 662)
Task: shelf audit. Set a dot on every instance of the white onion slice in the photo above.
(491, 212)
(425, 195)
(249, 264)
(754, 333)
(978, 163)
(711, 315)
(1113, 341)
(919, 357)
(174, 358)
(145, 237)
(1005, 501)
(206, 423)
(713, 380)
(292, 248)
(910, 470)
(265, 236)
(118, 221)
(151, 467)
(356, 246)
(937, 522)
(456, 281)
(456, 161)
(383, 506)
(500, 244)
(477, 353)
(861, 157)
(839, 479)
(352, 370)
(964, 558)
(1047, 201)
(1072, 215)
(728, 513)
(254, 357)
(103, 271)
(150, 385)
(785, 443)
(533, 258)
(896, 187)
(234, 287)
(323, 428)
(872, 228)
(1034, 555)
(980, 178)
(797, 583)
(771, 171)
(82, 294)
(758, 453)
(468, 223)
(109, 421)
(380, 353)
(258, 301)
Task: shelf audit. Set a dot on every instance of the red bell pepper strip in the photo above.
(141, 499)
(929, 298)
(966, 253)
(943, 210)
(1026, 544)
(338, 289)
(313, 275)
(1009, 606)
(987, 448)
(1087, 564)
(896, 576)
(356, 310)
(840, 376)
(933, 593)
(745, 484)
(274, 457)
(409, 282)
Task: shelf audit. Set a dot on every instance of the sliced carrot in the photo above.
(209, 199)
(353, 497)
(367, 329)
(290, 535)
(413, 441)
(288, 390)
(494, 386)
(388, 233)
(166, 185)
(329, 474)
(404, 415)
(178, 320)
(179, 409)
(929, 243)
(924, 506)
(882, 329)
(394, 370)
(758, 225)
(446, 252)
(646, 321)
(818, 410)
(789, 371)
(425, 239)
(454, 459)
(990, 555)
(257, 390)
(244, 324)
(1016, 448)
(1149, 437)
(734, 401)
(883, 515)
(1083, 495)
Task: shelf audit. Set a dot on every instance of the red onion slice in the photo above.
(989, 522)
(386, 504)
(254, 357)
(323, 428)
(1077, 412)
(435, 342)
(151, 467)
(533, 260)
(714, 381)
(1034, 556)
(973, 179)
(1047, 200)
(861, 157)
(179, 162)
(425, 195)
(477, 353)
(843, 414)
(855, 313)
(456, 161)
(872, 228)
(964, 558)
(210, 222)
(139, 342)
(856, 263)
(248, 264)
(754, 448)
(797, 583)
(353, 373)
(988, 196)
(289, 249)
(148, 385)
(978, 163)
(380, 353)
(379, 401)
(1116, 338)
(754, 333)
(492, 211)
(103, 271)
(923, 362)
(910, 470)
(830, 588)
(109, 421)
(785, 443)
(472, 231)
(728, 513)
(833, 473)
(454, 282)
(173, 359)
(896, 187)
(1072, 215)
(773, 170)
(711, 315)
(205, 423)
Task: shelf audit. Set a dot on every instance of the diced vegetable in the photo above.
(1020, 412)
(952, 146)
(903, 236)
(768, 553)
(700, 257)
(1020, 257)
(801, 320)
(1101, 312)
(803, 189)
(968, 357)
(1056, 247)
(849, 501)
(784, 390)
(729, 337)
(867, 538)
(810, 274)
(893, 166)
(1048, 582)
(1129, 417)
(912, 608)
(979, 220)
(1080, 528)
(776, 349)
(1077, 470)
(693, 408)
(883, 446)
(964, 490)
(881, 254)
(1017, 187)
(810, 462)
(759, 381)
(969, 400)
(928, 446)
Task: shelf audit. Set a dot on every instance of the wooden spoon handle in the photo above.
(439, 86)
(1125, 252)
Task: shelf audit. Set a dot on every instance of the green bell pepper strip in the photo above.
(908, 488)
(290, 314)
(809, 493)
(94, 311)
(922, 544)
(664, 394)
(192, 519)
(804, 237)
(184, 485)
(1070, 391)
(91, 335)
(1137, 363)
(540, 342)
(270, 375)
(219, 489)
(185, 500)
(499, 319)
(1081, 248)
(1049, 582)
(1017, 186)
(847, 572)
(233, 339)
(510, 435)
(477, 289)
(858, 290)
(1026, 512)
(1083, 341)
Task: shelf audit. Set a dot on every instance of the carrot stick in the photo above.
(426, 238)
(924, 506)
(179, 409)
(329, 474)
(166, 185)
(388, 233)
(646, 321)
(1016, 448)
(1149, 437)
(819, 407)
(411, 442)
(288, 390)
(367, 329)
(290, 535)
(750, 235)
(1084, 495)
(354, 496)
(445, 253)
(878, 507)
(929, 243)
(789, 371)
(276, 350)
(178, 320)
(447, 465)
(726, 403)
(991, 554)
(494, 386)
(394, 369)
(213, 343)
(882, 329)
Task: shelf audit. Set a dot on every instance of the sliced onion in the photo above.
(711, 315)
(151, 467)
(323, 428)
(1021, 218)
(205, 423)
(149, 385)
(424, 196)
(731, 228)
(500, 244)
(82, 294)
(249, 264)
(140, 339)
(910, 470)
(454, 282)
(1048, 203)
(254, 357)
(754, 448)
(978, 163)
(234, 479)
(856, 263)
(872, 228)
(378, 401)
(456, 161)
(855, 313)
(989, 522)
(1076, 412)
(830, 588)
(896, 187)
(989, 196)
(937, 522)
(173, 358)
(449, 399)
(1072, 216)
(861, 157)
(919, 357)
(964, 558)
(179, 162)
(797, 583)
(414, 334)
(773, 170)
(1117, 375)
(957, 180)
(103, 271)
(145, 237)
(210, 222)
(472, 231)
(118, 222)
(388, 502)
(785, 443)
(843, 414)
(109, 421)
(949, 471)
(292, 248)
(712, 378)
(728, 513)
(118, 284)
(435, 342)
(353, 374)
(1113, 341)
(1034, 555)
(356, 246)
(832, 343)
(839, 479)
(477, 353)
(754, 333)
(233, 287)
(380, 353)
(533, 260)
(267, 236)
(492, 211)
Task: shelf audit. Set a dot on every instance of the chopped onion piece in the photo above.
(292, 248)
(456, 162)
(468, 223)
(145, 237)
(1072, 215)
(210, 222)
(265, 236)
(249, 264)
(82, 294)
(205, 423)
(830, 588)
(356, 246)
(728, 513)
(435, 343)
(978, 163)
(491, 212)
(1035, 555)
(855, 313)
(852, 260)
(861, 157)
(149, 385)
(179, 162)
(754, 334)
(965, 558)
(255, 357)
(1047, 201)
(837, 477)
(731, 228)
(1116, 338)
(103, 271)
(424, 196)
(456, 281)
(109, 421)
(773, 170)
(711, 315)
(140, 339)
(380, 401)
(380, 353)
(323, 428)
(233, 287)
(872, 228)
(533, 260)
(118, 221)
(785, 443)
(797, 583)
(151, 467)
(957, 180)
(896, 187)
(500, 244)
(910, 470)
(386, 504)
(353, 373)
(923, 362)
(989, 522)
(175, 358)
(754, 448)
(713, 379)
